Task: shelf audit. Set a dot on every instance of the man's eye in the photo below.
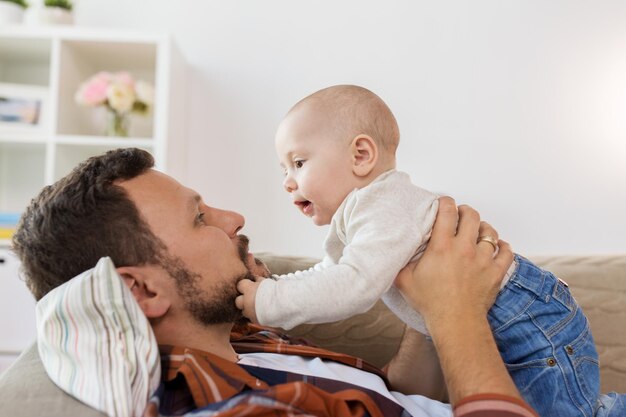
(200, 219)
(298, 163)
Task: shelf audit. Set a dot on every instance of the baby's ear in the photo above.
(364, 155)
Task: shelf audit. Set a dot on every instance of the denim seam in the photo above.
(566, 380)
(572, 383)
(578, 360)
(556, 356)
(566, 321)
(584, 334)
(570, 391)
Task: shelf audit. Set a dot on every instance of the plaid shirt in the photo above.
(209, 385)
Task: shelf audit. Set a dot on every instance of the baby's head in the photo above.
(331, 142)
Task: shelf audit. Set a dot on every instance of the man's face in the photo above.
(205, 255)
(205, 307)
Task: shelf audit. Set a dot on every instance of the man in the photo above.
(182, 260)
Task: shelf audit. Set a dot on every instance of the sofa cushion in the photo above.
(26, 390)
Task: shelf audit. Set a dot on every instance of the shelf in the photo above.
(25, 60)
(25, 138)
(21, 173)
(80, 60)
(106, 141)
(51, 63)
(80, 33)
(55, 61)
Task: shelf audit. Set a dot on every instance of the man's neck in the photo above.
(214, 338)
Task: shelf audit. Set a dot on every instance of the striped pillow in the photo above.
(96, 344)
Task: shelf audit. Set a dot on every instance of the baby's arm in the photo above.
(383, 235)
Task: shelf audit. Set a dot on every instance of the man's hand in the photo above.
(456, 276)
(245, 301)
(453, 285)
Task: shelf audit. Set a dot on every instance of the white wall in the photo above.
(516, 107)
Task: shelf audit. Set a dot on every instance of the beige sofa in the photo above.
(598, 282)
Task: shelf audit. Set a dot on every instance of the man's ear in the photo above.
(364, 155)
(145, 286)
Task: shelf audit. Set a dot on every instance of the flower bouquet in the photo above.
(120, 94)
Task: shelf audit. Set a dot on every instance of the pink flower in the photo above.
(94, 91)
(125, 78)
(118, 91)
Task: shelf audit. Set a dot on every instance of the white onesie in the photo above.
(375, 232)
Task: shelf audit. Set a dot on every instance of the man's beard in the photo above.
(260, 268)
(218, 306)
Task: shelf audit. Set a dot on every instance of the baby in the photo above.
(337, 148)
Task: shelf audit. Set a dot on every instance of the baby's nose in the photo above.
(289, 184)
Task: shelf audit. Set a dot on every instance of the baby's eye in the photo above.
(298, 163)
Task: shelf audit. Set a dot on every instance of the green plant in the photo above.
(21, 3)
(62, 4)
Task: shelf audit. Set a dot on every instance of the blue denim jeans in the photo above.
(545, 341)
(611, 405)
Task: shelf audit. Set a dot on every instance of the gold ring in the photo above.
(492, 241)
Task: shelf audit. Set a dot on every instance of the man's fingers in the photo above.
(486, 229)
(469, 222)
(446, 220)
(505, 255)
(487, 239)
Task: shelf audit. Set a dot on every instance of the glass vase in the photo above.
(117, 124)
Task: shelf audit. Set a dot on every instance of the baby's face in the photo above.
(317, 165)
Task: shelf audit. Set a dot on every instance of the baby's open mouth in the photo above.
(304, 206)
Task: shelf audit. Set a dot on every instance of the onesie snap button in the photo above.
(551, 362)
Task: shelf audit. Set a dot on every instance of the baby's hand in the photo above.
(245, 301)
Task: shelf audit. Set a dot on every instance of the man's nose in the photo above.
(289, 184)
(229, 221)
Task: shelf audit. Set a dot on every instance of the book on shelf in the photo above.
(8, 224)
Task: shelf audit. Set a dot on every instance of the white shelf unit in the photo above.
(56, 61)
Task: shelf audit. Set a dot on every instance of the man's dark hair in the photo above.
(84, 216)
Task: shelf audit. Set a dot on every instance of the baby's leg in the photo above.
(546, 343)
